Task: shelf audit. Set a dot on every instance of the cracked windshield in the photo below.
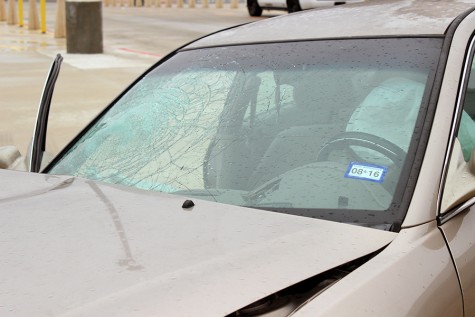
(317, 128)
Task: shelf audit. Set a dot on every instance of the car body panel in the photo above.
(453, 192)
(458, 185)
(94, 249)
(424, 207)
(418, 255)
(459, 235)
(379, 18)
(81, 248)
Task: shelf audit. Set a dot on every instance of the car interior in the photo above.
(275, 137)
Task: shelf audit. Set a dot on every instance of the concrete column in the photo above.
(60, 23)
(12, 18)
(84, 26)
(3, 14)
(33, 17)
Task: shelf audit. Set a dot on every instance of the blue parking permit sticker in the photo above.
(368, 172)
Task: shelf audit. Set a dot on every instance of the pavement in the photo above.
(133, 38)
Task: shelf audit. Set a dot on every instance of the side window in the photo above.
(460, 181)
(466, 133)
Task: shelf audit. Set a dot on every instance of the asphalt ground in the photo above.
(133, 39)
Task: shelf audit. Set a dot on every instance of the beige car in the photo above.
(315, 164)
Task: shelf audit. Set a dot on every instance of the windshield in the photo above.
(314, 128)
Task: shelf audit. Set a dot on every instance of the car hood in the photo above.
(73, 247)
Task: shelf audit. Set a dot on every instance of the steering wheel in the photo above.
(366, 140)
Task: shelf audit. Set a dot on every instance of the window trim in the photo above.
(455, 125)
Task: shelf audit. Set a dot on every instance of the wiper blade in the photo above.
(260, 193)
(38, 145)
(270, 205)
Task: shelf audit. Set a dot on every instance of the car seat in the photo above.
(307, 125)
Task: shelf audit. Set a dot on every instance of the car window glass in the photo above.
(460, 180)
(173, 129)
(272, 94)
(316, 128)
(466, 132)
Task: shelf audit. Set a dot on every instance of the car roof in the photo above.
(369, 19)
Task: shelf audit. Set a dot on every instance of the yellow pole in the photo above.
(20, 12)
(43, 15)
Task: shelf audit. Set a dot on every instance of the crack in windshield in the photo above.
(245, 125)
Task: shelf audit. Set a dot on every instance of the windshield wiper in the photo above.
(261, 192)
(270, 205)
(38, 145)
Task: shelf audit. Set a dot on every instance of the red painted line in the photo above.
(139, 52)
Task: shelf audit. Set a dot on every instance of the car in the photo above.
(255, 7)
(264, 170)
